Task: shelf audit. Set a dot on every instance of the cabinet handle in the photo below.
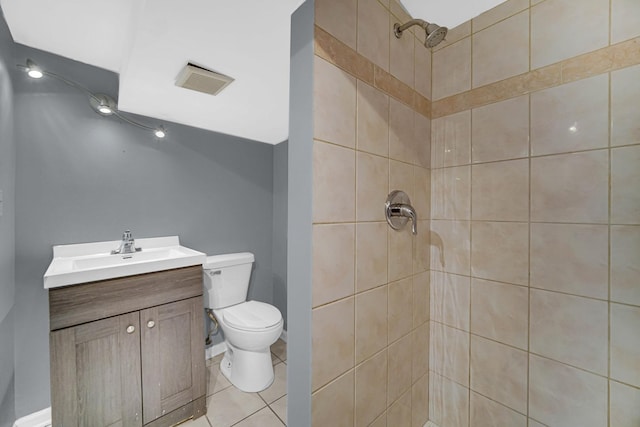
(131, 329)
(151, 324)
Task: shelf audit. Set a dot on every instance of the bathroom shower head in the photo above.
(435, 33)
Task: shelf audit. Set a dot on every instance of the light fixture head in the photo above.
(160, 133)
(103, 104)
(33, 70)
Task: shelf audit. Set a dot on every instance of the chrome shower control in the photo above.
(398, 211)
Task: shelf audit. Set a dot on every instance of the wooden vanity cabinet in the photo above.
(128, 351)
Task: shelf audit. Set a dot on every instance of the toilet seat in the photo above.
(252, 316)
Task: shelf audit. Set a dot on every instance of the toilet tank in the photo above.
(226, 279)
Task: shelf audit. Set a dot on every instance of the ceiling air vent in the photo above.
(206, 81)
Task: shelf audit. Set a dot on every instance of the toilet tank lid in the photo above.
(228, 260)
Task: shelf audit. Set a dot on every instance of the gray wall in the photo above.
(7, 230)
(279, 252)
(299, 216)
(81, 178)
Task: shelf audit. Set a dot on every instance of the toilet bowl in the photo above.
(249, 327)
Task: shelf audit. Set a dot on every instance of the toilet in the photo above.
(249, 327)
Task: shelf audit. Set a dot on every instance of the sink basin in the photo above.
(88, 262)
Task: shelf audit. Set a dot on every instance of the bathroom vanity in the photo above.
(128, 350)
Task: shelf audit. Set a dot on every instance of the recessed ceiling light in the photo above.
(33, 70)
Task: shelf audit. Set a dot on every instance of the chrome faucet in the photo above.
(398, 211)
(402, 210)
(127, 245)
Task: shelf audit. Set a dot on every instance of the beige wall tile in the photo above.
(421, 200)
(334, 104)
(421, 247)
(570, 258)
(449, 353)
(371, 255)
(400, 253)
(450, 246)
(338, 18)
(500, 251)
(371, 389)
(402, 145)
(334, 179)
(500, 312)
(454, 35)
(371, 322)
(333, 262)
(420, 402)
(399, 413)
(500, 191)
(451, 194)
(372, 186)
(381, 421)
(498, 13)
(625, 344)
(333, 405)
(570, 187)
(625, 405)
(420, 347)
(451, 69)
(401, 54)
(422, 70)
(570, 329)
(499, 372)
(451, 140)
(490, 63)
(450, 299)
(448, 402)
(500, 131)
(625, 20)
(399, 375)
(534, 423)
(421, 305)
(488, 413)
(625, 268)
(333, 341)
(373, 32)
(625, 182)
(400, 308)
(560, 395)
(422, 139)
(373, 120)
(570, 117)
(559, 30)
(625, 116)
(400, 178)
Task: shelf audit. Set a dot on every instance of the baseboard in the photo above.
(214, 350)
(37, 419)
(283, 335)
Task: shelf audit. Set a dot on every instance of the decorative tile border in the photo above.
(600, 61)
(339, 54)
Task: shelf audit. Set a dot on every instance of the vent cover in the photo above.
(202, 80)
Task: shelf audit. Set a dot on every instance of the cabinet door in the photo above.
(173, 371)
(95, 373)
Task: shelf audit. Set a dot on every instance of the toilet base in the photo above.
(249, 371)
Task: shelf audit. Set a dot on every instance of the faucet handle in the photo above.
(126, 235)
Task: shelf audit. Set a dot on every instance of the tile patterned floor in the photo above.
(227, 406)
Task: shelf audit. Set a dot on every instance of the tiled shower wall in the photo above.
(535, 256)
(370, 283)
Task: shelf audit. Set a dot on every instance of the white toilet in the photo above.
(249, 327)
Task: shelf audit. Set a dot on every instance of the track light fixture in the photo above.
(101, 103)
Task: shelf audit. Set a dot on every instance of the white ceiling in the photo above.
(149, 42)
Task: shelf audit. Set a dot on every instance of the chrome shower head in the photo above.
(435, 33)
